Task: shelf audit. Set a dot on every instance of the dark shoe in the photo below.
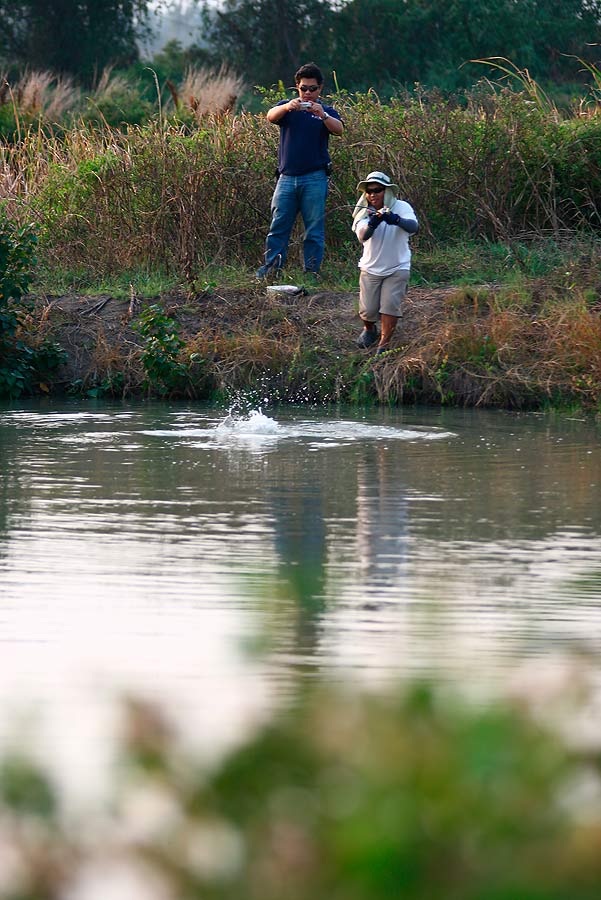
(265, 272)
(311, 279)
(367, 338)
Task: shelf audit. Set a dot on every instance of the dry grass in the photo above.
(305, 346)
(41, 94)
(205, 92)
(179, 197)
(107, 200)
(509, 358)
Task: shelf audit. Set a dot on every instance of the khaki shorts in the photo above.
(382, 294)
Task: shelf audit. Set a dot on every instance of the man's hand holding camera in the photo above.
(309, 106)
(297, 104)
(374, 219)
(386, 215)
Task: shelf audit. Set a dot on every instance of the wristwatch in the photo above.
(327, 116)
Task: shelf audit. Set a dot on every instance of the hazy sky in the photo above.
(180, 21)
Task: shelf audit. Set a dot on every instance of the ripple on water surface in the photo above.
(150, 546)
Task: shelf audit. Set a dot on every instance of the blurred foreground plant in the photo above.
(352, 798)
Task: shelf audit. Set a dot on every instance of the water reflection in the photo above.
(382, 519)
(147, 545)
(300, 543)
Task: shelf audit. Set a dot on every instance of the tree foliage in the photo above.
(377, 43)
(268, 40)
(76, 37)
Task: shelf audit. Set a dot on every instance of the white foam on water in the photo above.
(254, 423)
(349, 431)
(329, 432)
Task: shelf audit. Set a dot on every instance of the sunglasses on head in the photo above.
(374, 190)
(308, 87)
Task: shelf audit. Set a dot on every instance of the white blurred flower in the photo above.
(213, 850)
(561, 693)
(581, 797)
(147, 812)
(119, 879)
(13, 868)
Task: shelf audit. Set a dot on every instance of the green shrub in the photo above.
(124, 104)
(22, 362)
(17, 248)
(165, 373)
(8, 123)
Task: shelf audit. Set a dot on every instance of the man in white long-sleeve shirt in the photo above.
(383, 225)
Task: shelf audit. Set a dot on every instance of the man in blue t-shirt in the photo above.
(303, 161)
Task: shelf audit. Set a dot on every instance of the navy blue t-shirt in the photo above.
(303, 141)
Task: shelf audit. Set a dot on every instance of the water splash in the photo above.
(256, 422)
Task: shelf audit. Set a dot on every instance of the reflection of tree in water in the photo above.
(381, 517)
(11, 488)
(300, 540)
(373, 490)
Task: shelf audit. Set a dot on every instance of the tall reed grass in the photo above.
(205, 92)
(56, 103)
(39, 94)
(186, 191)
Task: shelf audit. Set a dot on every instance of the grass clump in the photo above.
(489, 348)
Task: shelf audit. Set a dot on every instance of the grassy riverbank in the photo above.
(513, 329)
(169, 220)
(526, 344)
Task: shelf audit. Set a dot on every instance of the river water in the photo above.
(216, 562)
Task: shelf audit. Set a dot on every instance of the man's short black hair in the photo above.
(309, 70)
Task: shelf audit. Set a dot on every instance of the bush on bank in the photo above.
(25, 360)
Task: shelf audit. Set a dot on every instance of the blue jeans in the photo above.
(293, 194)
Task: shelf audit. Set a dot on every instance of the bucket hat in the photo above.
(378, 178)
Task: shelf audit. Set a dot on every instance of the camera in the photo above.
(306, 104)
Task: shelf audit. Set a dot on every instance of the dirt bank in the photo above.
(453, 346)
